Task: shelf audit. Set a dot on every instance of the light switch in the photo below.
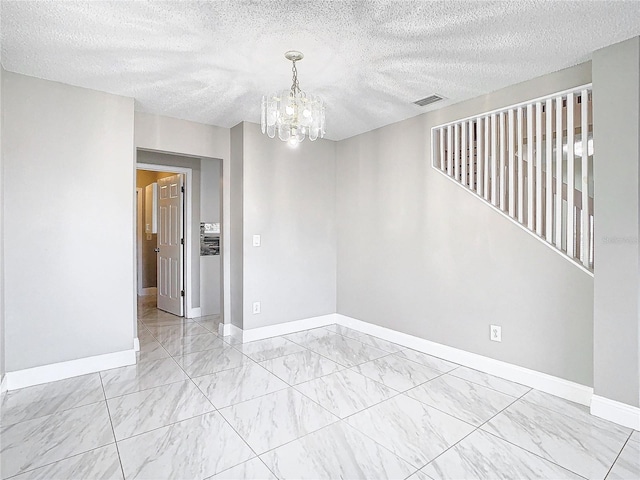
(256, 240)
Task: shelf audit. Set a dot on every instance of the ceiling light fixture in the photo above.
(294, 114)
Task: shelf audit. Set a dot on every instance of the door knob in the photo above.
(157, 250)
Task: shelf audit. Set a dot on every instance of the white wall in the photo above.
(68, 216)
(616, 96)
(288, 199)
(418, 254)
(172, 135)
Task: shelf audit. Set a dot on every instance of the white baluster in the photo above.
(570, 176)
(559, 171)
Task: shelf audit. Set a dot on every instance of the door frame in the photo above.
(189, 312)
(139, 229)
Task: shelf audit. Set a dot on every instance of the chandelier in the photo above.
(293, 114)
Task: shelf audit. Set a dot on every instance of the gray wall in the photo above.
(2, 214)
(289, 199)
(616, 96)
(68, 197)
(210, 211)
(235, 247)
(418, 254)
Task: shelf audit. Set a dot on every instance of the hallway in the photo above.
(323, 403)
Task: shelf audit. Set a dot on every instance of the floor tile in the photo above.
(396, 372)
(156, 407)
(192, 343)
(345, 392)
(490, 381)
(379, 343)
(35, 443)
(301, 367)
(343, 350)
(308, 335)
(238, 384)
(271, 420)
(467, 401)
(102, 463)
(484, 456)
(268, 348)
(211, 361)
(558, 404)
(627, 466)
(145, 374)
(419, 475)
(583, 448)
(565, 407)
(166, 425)
(571, 409)
(167, 333)
(151, 350)
(233, 339)
(143, 333)
(163, 320)
(252, 469)
(344, 331)
(415, 432)
(150, 311)
(337, 451)
(39, 400)
(428, 360)
(196, 448)
(211, 323)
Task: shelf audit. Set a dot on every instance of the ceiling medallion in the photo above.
(293, 114)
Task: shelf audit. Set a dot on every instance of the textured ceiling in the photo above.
(211, 61)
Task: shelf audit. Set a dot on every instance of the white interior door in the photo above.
(170, 245)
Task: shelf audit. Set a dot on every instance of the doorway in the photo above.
(161, 239)
(204, 278)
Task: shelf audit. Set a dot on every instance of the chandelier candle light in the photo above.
(294, 114)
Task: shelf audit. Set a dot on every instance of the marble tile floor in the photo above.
(321, 404)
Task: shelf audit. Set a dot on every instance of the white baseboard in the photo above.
(282, 328)
(136, 344)
(236, 334)
(531, 378)
(194, 312)
(224, 329)
(3, 384)
(560, 387)
(149, 291)
(73, 368)
(616, 412)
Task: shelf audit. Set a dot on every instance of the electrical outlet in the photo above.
(256, 308)
(256, 240)
(496, 333)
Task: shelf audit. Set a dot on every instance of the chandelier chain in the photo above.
(295, 87)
